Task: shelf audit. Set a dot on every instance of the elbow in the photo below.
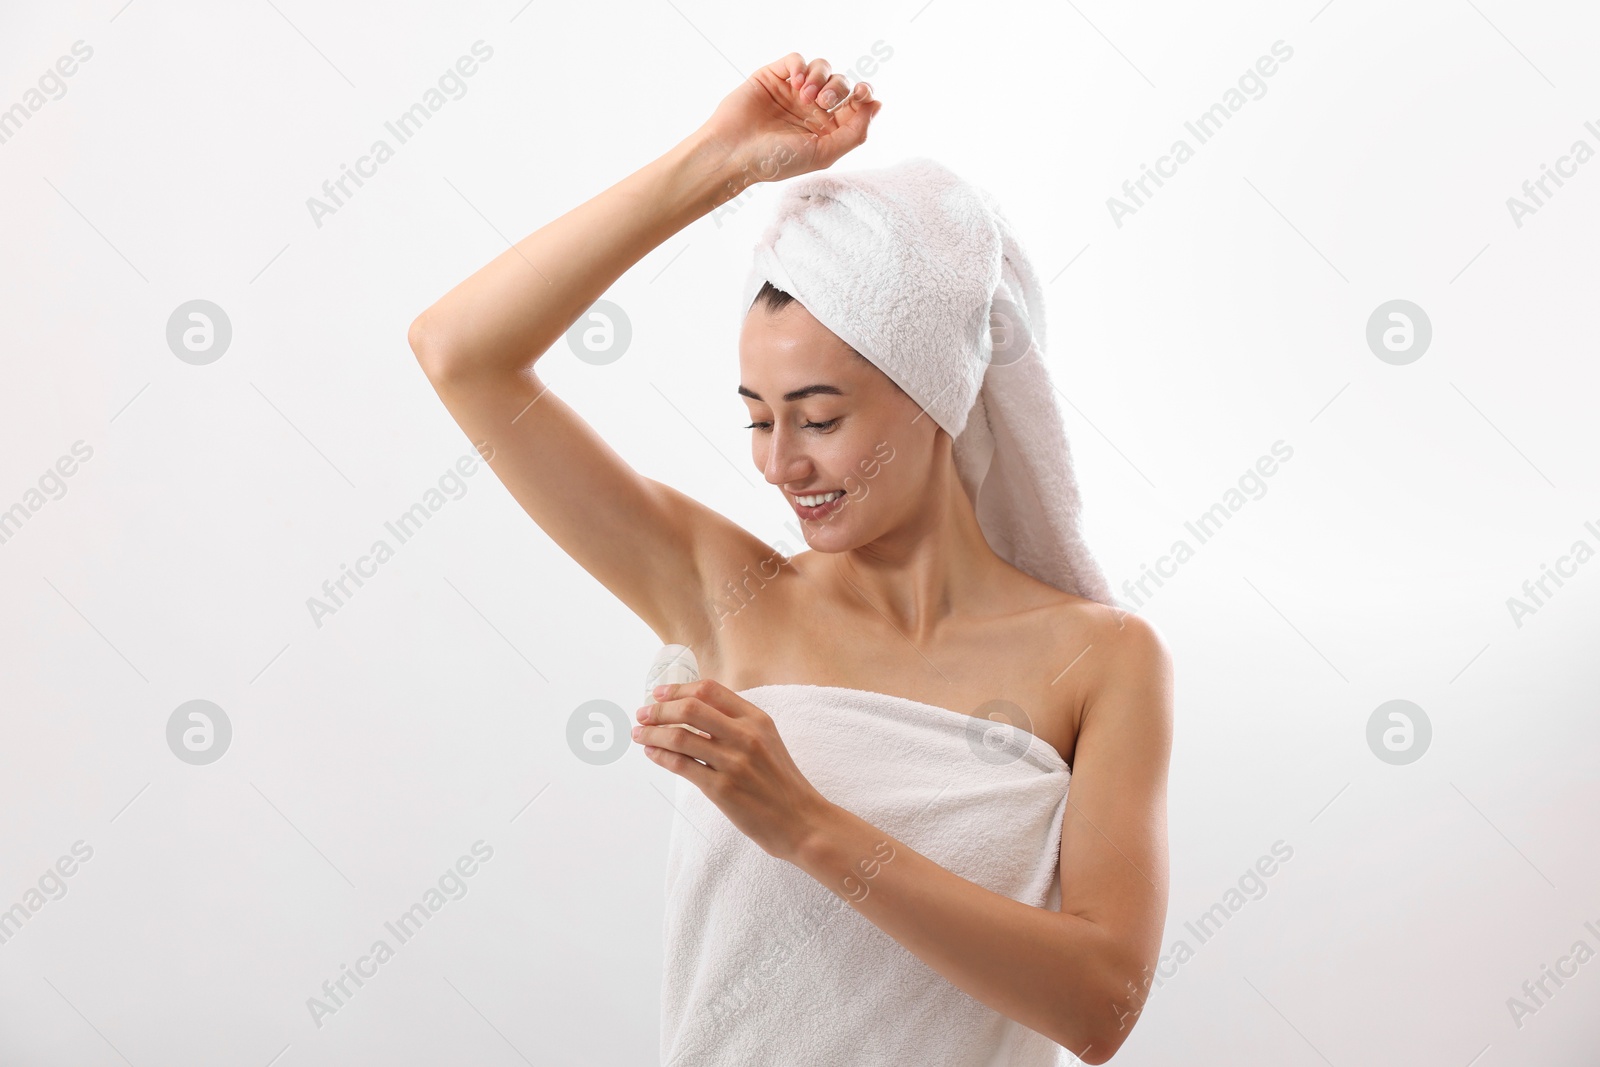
(1101, 1051)
(432, 355)
(1096, 1044)
(1097, 1031)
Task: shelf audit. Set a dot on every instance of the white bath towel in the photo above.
(922, 273)
(765, 966)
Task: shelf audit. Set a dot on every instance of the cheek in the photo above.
(867, 472)
(848, 461)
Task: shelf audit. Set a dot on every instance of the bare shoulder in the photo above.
(1132, 678)
(1132, 639)
(1119, 658)
(1113, 634)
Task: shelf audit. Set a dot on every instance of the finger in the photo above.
(791, 66)
(689, 714)
(683, 766)
(855, 115)
(658, 714)
(716, 696)
(860, 95)
(794, 71)
(676, 738)
(833, 90)
(816, 73)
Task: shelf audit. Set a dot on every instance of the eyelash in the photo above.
(823, 426)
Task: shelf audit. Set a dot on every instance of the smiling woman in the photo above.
(946, 625)
(848, 405)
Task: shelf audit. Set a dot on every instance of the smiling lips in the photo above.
(816, 505)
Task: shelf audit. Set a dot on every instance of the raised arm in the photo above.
(655, 548)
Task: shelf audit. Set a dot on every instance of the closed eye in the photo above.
(823, 426)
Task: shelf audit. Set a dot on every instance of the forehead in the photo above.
(777, 349)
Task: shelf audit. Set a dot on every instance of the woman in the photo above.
(898, 614)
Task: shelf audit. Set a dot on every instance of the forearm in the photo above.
(1056, 973)
(506, 315)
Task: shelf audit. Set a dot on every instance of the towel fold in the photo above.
(764, 965)
(922, 273)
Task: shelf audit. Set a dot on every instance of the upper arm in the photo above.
(1114, 865)
(649, 544)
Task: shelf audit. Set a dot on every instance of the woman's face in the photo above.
(825, 420)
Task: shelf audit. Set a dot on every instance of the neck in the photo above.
(920, 574)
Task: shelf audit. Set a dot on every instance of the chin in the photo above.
(827, 536)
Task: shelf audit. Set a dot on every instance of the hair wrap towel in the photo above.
(921, 273)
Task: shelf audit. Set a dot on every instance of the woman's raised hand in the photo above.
(789, 118)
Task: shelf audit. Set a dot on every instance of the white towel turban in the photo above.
(922, 274)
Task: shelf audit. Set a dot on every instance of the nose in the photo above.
(786, 462)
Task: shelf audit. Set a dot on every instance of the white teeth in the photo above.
(814, 501)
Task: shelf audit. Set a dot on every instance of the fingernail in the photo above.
(643, 714)
(827, 97)
(659, 691)
(637, 730)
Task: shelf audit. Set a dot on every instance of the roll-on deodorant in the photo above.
(673, 664)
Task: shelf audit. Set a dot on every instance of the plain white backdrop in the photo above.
(372, 748)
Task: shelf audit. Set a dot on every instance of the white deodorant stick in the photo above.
(673, 664)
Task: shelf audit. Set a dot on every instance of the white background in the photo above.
(369, 753)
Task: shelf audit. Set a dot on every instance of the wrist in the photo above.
(819, 830)
(706, 171)
(843, 852)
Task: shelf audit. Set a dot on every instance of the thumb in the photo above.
(854, 116)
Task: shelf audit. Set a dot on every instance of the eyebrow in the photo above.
(797, 394)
